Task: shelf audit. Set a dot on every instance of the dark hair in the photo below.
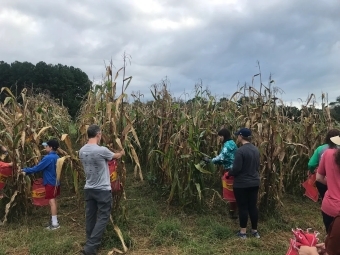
(331, 133)
(225, 133)
(337, 157)
(92, 131)
(54, 144)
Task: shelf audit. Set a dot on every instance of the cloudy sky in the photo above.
(217, 42)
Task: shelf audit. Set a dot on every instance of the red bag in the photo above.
(310, 188)
(5, 172)
(114, 179)
(39, 193)
(227, 184)
(302, 238)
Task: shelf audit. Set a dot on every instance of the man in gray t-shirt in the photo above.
(94, 159)
(97, 188)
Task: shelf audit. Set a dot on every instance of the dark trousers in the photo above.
(327, 221)
(322, 188)
(246, 199)
(98, 210)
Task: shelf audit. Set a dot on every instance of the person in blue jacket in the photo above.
(226, 159)
(48, 165)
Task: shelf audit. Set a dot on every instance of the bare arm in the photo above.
(118, 155)
(306, 250)
(321, 178)
(321, 173)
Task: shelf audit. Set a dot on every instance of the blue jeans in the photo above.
(98, 210)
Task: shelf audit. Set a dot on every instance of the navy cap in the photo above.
(245, 132)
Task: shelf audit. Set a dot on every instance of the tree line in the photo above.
(66, 83)
(70, 84)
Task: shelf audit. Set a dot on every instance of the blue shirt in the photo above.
(227, 155)
(49, 167)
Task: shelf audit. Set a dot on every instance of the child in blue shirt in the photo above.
(48, 165)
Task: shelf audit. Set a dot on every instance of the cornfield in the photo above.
(166, 137)
(26, 121)
(187, 131)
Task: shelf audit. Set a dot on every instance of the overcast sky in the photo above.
(216, 41)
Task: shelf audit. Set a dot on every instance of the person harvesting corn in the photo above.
(48, 165)
(330, 167)
(226, 159)
(246, 182)
(314, 161)
(97, 190)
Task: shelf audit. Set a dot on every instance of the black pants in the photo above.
(246, 199)
(327, 220)
(98, 210)
(322, 188)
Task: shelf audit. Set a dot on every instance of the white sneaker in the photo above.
(53, 227)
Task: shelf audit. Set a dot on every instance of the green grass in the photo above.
(153, 227)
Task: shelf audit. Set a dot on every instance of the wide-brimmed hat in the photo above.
(336, 140)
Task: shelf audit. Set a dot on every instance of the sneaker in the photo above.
(53, 227)
(241, 235)
(256, 234)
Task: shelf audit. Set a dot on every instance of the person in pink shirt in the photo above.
(329, 174)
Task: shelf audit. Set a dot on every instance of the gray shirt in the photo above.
(94, 159)
(246, 167)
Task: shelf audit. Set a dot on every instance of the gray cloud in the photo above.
(216, 41)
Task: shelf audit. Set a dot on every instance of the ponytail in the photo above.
(337, 157)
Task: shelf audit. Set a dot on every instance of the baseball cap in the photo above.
(52, 143)
(245, 132)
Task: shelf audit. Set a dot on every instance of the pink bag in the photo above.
(39, 193)
(310, 188)
(227, 184)
(114, 178)
(302, 238)
(5, 172)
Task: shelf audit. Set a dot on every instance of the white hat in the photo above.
(336, 139)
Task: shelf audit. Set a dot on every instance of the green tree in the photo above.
(66, 83)
(335, 109)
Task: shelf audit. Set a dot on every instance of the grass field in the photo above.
(152, 227)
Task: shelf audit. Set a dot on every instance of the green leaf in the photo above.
(198, 187)
(39, 110)
(199, 168)
(7, 100)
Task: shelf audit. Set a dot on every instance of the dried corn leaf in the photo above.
(23, 135)
(8, 91)
(8, 205)
(119, 234)
(41, 131)
(60, 163)
(66, 138)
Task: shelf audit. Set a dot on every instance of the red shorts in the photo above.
(51, 191)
